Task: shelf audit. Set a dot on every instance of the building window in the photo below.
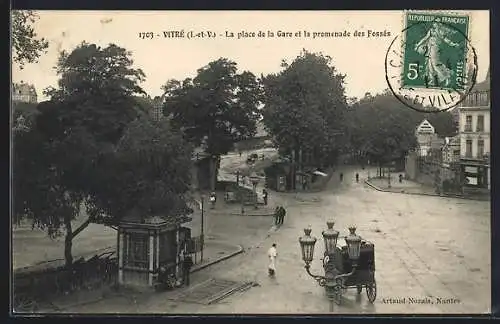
(484, 100)
(480, 123)
(468, 123)
(137, 250)
(468, 148)
(480, 148)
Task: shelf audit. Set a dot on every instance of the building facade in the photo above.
(24, 92)
(157, 111)
(427, 139)
(474, 132)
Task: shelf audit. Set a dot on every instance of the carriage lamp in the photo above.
(330, 237)
(307, 243)
(353, 242)
(333, 279)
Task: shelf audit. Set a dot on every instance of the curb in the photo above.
(194, 269)
(421, 193)
(225, 257)
(250, 215)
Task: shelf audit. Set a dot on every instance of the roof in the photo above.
(24, 88)
(425, 127)
(176, 217)
(485, 85)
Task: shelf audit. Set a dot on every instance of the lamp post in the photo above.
(255, 180)
(333, 279)
(202, 236)
(389, 177)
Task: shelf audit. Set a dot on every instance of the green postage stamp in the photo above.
(435, 51)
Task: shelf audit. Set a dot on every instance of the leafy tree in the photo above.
(443, 123)
(148, 173)
(84, 119)
(384, 129)
(26, 46)
(98, 85)
(217, 108)
(305, 105)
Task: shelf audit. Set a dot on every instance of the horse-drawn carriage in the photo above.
(345, 266)
(364, 274)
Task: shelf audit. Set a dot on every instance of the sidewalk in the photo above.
(215, 251)
(415, 188)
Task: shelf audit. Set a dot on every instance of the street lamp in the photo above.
(202, 235)
(333, 279)
(330, 237)
(255, 180)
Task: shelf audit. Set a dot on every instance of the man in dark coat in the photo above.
(277, 212)
(187, 263)
(282, 214)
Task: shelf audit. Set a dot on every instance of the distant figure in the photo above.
(304, 183)
(187, 263)
(400, 178)
(213, 200)
(357, 177)
(264, 196)
(341, 177)
(240, 153)
(272, 253)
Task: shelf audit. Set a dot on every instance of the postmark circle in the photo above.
(432, 65)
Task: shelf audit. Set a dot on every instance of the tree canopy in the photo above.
(26, 46)
(217, 108)
(93, 143)
(305, 105)
(384, 129)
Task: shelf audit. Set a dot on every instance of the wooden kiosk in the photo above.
(147, 243)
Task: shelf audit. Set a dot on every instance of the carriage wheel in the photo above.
(371, 291)
(359, 288)
(338, 295)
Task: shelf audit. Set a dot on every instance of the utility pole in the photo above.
(202, 236)
(293, 170)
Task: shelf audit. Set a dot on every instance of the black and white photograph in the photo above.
(250, 162)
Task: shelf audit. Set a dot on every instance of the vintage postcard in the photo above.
(251, 162)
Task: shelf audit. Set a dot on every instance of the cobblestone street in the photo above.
(431, 247)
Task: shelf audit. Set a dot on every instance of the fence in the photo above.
(195, 245)
(431, 172)
(32, 287)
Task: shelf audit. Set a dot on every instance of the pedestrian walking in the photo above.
(357, 177)
(272, 253)
(277, 212)
(264, 196)
(341, 177)
(213, 200)
(187, 263)
(282, 215)
(400, 178)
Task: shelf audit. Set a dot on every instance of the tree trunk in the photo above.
(213, 173)
(70, 235)
(68, 242)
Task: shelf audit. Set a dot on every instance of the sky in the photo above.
(360, 58)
